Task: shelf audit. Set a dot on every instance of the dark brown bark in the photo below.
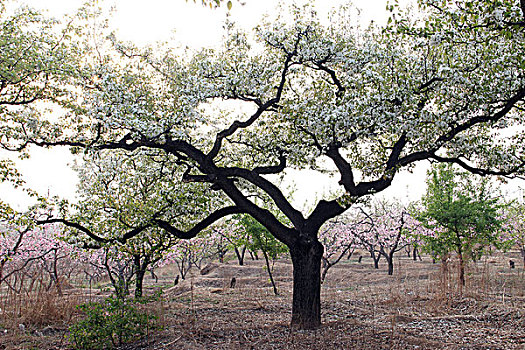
(55, 276)
(415, 253)
(139, 278)
(240, 255)
(270, 275)
(390, 263)
(140, 271)
(375, 257)
(306, 305)
(461, 271)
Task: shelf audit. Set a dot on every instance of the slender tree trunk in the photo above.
(2, 263)
(240, 255)
(306, 303)
(444, 272)
(375, 259)
(254, 255)
(522, 250)
(118, 280)
(390, 263)
(326, 267)
(459, 250)
(183, 270)
(461, 270)
(270, 275)
(55, 274)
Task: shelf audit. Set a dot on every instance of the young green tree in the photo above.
(264, 241)
(236, 237)
(463, 215)
(442, 84)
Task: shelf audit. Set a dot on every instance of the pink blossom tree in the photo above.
(35, 250)
(339, 240)
(384, 230)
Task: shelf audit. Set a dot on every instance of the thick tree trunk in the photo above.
(306, 304)
(140, 271)
(139, 279)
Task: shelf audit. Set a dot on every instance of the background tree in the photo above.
(263, 240)
(338, 241)
(237, 237)
(444, 84)
(514, 226)
(123, 194)
(462, 213)
(384, 230)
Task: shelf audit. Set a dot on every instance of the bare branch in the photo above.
(209, 220)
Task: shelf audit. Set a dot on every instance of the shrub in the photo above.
(111, 323)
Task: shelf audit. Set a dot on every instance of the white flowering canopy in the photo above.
(445, 83)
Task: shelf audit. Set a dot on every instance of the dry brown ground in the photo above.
(363, 308)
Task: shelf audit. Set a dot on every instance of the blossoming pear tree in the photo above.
(35, 62)
(445, 84)
(120, 197)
